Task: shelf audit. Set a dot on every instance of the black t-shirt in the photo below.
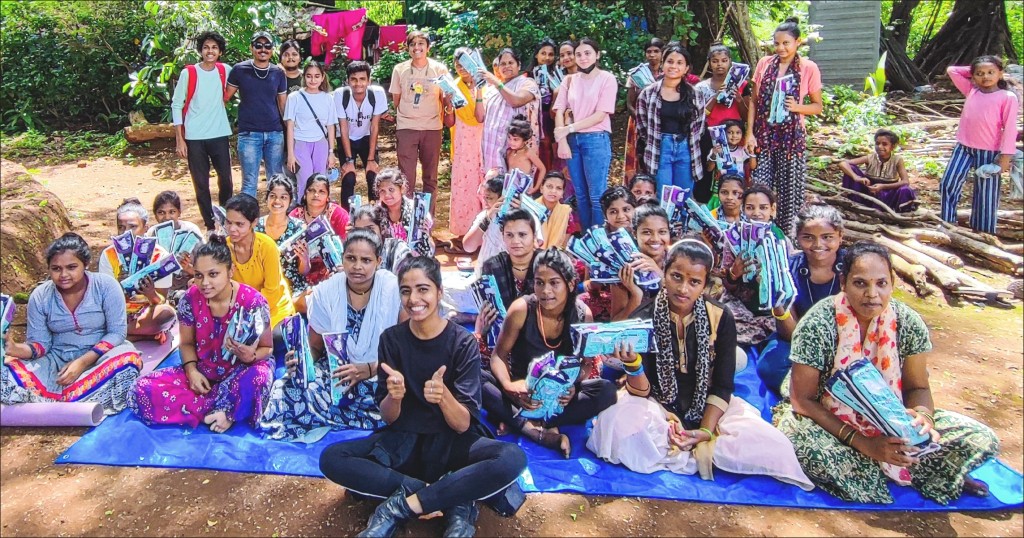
(258, 89)
(295, 84)
(417, 360)
(674, 118)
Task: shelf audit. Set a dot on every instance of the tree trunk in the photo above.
(974, 28)
(708, 17)
(652, 14)
(900, 71)
(738, 19)
(900, 19)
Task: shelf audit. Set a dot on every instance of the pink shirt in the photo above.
(810, 78)
(989, 120)
(585, 96)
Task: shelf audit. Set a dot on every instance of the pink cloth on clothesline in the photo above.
(392, 37)
(347, 26)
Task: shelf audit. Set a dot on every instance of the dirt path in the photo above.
(975, 369)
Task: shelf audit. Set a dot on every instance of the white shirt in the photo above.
(306, 128)
(359, 115)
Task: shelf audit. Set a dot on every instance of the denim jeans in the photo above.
(674, 166)
(588, 168)
(255, 147)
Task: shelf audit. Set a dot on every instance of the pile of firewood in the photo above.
(928, 252)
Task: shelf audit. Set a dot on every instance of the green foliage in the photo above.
(63, 146)
(929, 16)
(388, 60)
(169, 42)
(522, 24)
(63, 63)
(382, 12)
(875, 82)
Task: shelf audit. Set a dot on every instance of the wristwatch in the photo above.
(349, 160)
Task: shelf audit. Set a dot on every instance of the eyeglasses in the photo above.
(264, 46)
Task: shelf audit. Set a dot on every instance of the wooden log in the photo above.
(949, 279)
(952, 260)
(963, 215)
(1011, 263)
(1017, 248)
(137, 134)
(913, 274)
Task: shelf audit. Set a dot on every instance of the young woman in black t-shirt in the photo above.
(434, 455)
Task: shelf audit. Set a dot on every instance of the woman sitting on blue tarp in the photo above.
(815, 271)
(680, 413)
(434, 454)
(75, 347)
(361, 301)
(841, 450)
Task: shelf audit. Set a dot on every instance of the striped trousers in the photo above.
(985, 201)
(786, 173)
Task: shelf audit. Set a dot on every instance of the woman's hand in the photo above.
(293, 165)
(395, 381)
(332, 160)
(246, 354)
(433, 388)
(493, 211)
(520, 394)
(147, 288)
(792, 104)
(562, 133)
(751, 143)
(892, 450)
(351, 374)
(738, 268)
(487, 316)
(1004, 161)
(643, 262)
(567, 397)
(197, 382)
(185, 260)
(924, 425)
(300, 249)
(70, 372)
(685, 439)
(488, 76)
(628, 283)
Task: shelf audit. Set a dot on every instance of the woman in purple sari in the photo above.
(212, 386)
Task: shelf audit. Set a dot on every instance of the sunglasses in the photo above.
(263, 46)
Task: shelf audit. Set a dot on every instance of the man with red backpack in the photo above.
(201, 127)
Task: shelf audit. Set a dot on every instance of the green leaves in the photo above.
(874, 83)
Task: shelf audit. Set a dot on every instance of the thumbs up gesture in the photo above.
(433, 389)
(396, 382)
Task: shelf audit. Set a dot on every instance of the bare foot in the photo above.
(549, 438)
(218, 421)
(975, 487)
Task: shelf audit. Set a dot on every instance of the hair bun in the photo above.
(217, 238)
(794, 20)
(519, 117)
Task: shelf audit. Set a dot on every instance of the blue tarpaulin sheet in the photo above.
(125, 441)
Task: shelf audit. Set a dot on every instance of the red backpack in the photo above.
(192, 80)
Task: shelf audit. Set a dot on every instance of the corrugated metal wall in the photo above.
(849, 31)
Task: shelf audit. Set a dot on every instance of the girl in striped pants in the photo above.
(988, 129)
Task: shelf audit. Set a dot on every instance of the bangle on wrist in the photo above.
(186, 363)
(501, 85)
(783, 317)
(638, 361)
(634, 373)
(707, 431)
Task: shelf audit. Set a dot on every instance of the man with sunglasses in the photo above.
(264, 88)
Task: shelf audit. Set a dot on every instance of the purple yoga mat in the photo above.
(82, 413)
(51, 414)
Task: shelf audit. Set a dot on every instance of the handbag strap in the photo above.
(317, 118)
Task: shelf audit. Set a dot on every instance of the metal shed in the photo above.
(849, 46)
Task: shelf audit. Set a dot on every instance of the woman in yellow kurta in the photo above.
(255, 257)
(466, 160)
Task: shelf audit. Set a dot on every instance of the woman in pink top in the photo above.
(583, 129)
(780, 138)
(988, 129)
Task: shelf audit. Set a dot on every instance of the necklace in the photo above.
(361, 293)
(256, 71)
(543, 335)
(810, 291)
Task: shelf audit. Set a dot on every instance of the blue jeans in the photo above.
(674, 166)
(257, 146)
(588, 168)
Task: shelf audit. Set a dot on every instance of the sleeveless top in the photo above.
(530, 343)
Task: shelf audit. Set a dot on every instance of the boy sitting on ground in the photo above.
(884, 175)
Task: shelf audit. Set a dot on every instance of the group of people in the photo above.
(424, 382)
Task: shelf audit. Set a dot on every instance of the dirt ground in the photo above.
(975, 369)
